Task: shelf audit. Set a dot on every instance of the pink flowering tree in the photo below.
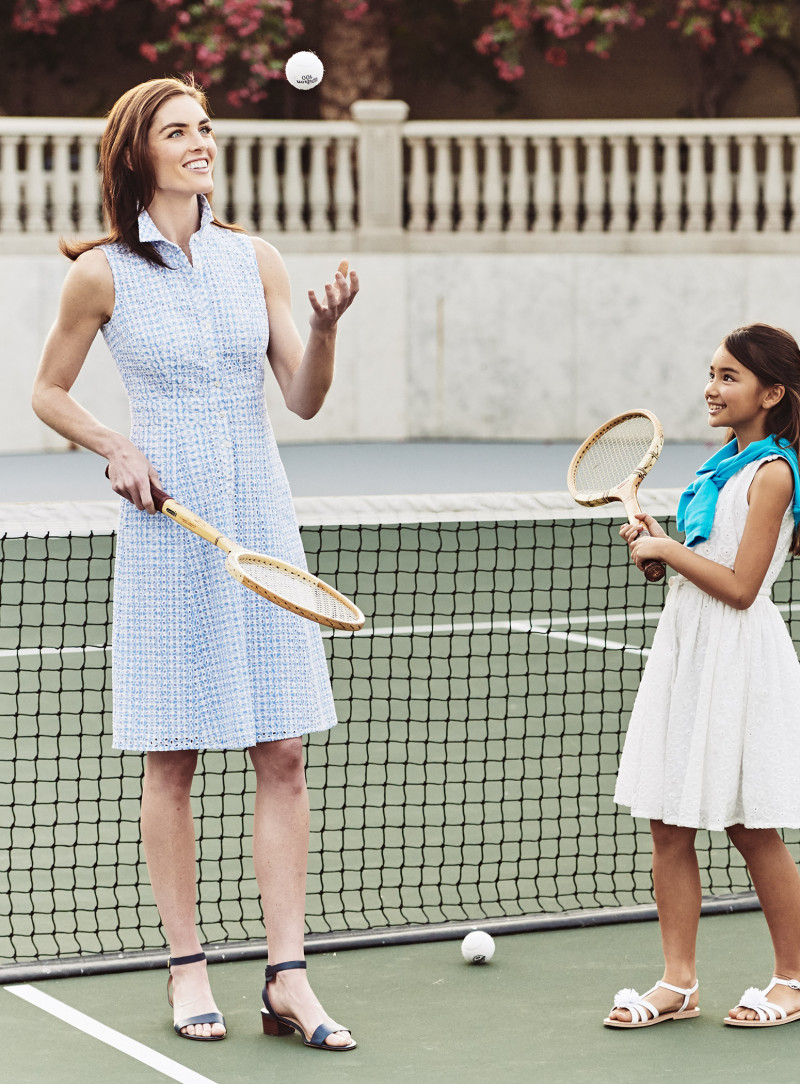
(724, 32)
(247, 41)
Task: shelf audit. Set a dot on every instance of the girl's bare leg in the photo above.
(169, 846)
(676, 878)
(777, 882)
(280, 851)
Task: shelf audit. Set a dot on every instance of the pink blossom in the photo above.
(556, 55)
(149, 52)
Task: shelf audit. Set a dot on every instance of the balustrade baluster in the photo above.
(468, 185)
(544, 186)
(442, 195)
(492, 184)
(35, 192)
(593, 185)
(517, 184)
(418, 185)
(568, 186)
(721, 185)
(645, 197)
(794, 185)
(619, 196)
(221, 197)
(268, 193)
(293, 186)
(61, 186)
(89, 197)
(774, 184)
(343, 192)
(319, 195)
(747, 185)
(10, 194)
(242, 183)
(671, 201)
(696, 184)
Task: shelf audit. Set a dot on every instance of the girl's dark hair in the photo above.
(772, 355)
(128, 181)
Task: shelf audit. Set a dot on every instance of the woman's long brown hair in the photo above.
(772, 355)
(128, 180)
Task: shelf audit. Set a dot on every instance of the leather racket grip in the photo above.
(654, 571)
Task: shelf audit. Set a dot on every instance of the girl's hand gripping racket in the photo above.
(292, 588)
(611, 463)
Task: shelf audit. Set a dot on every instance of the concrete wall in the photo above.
(484, 346)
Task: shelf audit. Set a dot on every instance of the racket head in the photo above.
(611, 463)
(294, 589)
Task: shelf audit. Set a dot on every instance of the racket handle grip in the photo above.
(158, 495)
(654, 571)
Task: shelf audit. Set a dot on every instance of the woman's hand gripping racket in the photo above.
(611, 463)
(287, 586)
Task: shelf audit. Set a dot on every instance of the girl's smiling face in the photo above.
(182, 148)
(734, 395)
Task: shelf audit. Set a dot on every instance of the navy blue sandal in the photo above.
(275, 1024)
(204, 1018)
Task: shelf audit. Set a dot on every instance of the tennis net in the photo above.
(483, 709)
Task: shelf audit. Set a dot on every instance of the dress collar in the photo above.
(148, 231)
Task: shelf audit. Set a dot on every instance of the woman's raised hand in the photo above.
(339, 296)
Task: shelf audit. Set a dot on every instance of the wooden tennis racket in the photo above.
(611, 463)
(292, 588)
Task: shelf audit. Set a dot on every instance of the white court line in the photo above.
(21, 652)
(537, 628)
(169, 1068)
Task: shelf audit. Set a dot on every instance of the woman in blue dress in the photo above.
(190, 308)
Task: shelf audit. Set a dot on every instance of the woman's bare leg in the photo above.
(676, 879)
(776, 880)
(280, 851)
(169, 847)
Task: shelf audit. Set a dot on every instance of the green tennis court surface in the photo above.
(420, 1013)
(483, 709)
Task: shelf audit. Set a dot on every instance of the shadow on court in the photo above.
(420, 1013)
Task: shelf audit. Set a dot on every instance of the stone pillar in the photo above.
(380, 165)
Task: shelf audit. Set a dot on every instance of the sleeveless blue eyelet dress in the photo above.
(200, 662)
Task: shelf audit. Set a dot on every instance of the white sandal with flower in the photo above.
(644, 1013)
(769, 1014)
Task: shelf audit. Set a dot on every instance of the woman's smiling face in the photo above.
(182, 148)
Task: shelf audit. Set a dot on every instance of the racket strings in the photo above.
(294, 588)
(615, 455)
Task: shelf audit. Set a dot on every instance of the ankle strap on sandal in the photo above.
(176, 961)
(273, 969)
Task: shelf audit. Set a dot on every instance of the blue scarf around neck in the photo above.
(698, 501)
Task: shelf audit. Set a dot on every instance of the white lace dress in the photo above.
(714, 736)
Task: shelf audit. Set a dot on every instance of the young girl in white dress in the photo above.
(714, 737)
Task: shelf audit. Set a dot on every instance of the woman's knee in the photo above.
(279, 762)
(170, 771)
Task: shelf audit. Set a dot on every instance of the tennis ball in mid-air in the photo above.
(304, 70)
(477, 947)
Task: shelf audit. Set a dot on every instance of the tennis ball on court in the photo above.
(304, 70)
(477, 947)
